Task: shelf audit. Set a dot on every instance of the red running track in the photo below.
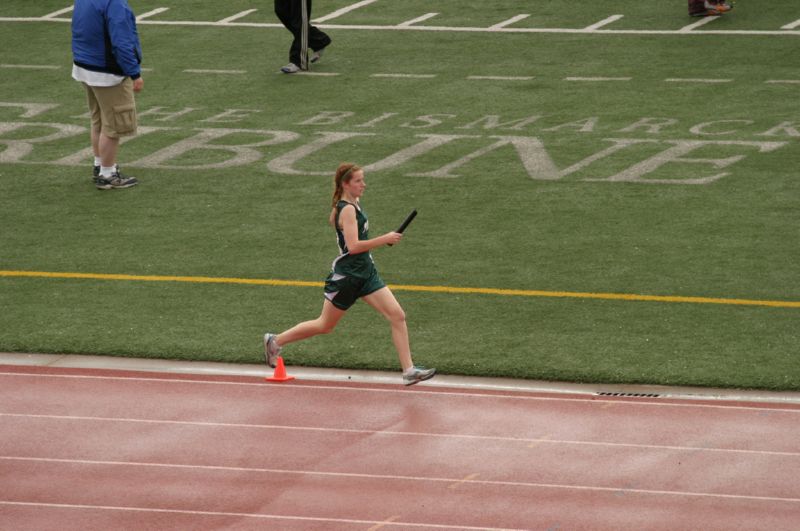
(92, 449)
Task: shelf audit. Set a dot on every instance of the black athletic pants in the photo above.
(290, 13)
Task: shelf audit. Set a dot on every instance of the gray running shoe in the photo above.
(271, 350)
(418, 374)
(316, 56)
(291, 68)
(117, 180)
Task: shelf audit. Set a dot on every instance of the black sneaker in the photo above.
(117, 180)
(96, 171)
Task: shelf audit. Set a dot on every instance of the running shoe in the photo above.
(116, 180)
(418, 374)
(271, 350)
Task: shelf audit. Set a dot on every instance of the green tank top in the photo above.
(358, 265)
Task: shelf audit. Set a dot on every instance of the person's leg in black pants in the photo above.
(290, 13)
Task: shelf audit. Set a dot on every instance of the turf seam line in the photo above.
(628, 297)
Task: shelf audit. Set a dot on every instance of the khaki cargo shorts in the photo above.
(113, 109)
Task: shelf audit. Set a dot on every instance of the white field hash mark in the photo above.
(791, 25)
(597, 79)
(701, 22)
(344, 10)
(788, 29)
(55, 14)
(412, 76)
(224, 72)
(413, 21)
(32, 67)
(501, 78)
(151, 13)
(237, 16)
(510, 21)
(604, 22)
(696, 80)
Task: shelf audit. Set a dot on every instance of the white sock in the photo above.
(97, 161)
(107, 171)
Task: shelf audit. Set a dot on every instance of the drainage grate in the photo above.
(634, 395)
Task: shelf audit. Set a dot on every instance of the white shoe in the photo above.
(418, 374)
(316, 56)
(271, 350)
(291, 68)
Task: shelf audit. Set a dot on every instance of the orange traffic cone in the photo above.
(280, 373)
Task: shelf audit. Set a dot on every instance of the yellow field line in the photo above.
(401, 287)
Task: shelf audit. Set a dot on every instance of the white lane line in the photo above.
(597, 79)
(403, 478)
(32, 67)
(412, 76)
(413, 21)
(200, 71)
(237, 16)
(508, 22)
(604, 22)
(158, 510)
(55, 14)
(696, 80)
(418, 391)
(152, 13)
(502, 78)
(344, 10)
(792, 25)
(787, 81)
(389, 433)
(695, 25)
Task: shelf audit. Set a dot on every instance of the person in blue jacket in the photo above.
(106, 57)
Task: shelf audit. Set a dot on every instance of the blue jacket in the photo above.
(104, 37)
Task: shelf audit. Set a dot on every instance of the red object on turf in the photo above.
(280, 373)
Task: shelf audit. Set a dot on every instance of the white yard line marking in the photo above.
(597, 79)
(402, 478)
(637, 403)
(55, 14)
(344, 10)
(32, 67)
(413, 21)
(237, 515)
(200, 71)
(151, 13)
(318, 74)
(791, 25)
(787, 81)
(696, 80)
(411, 76)
(604, 22)
(452, 29)
(390, 433)
(502, 78)
(237, 16)
(508, 22)
(695, 25)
